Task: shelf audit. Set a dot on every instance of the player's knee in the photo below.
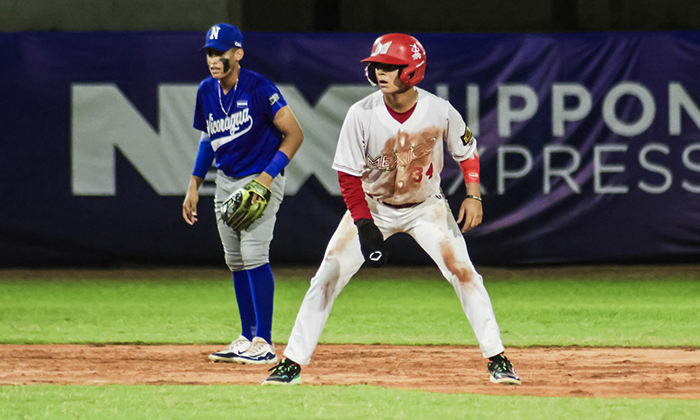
(253, 260)
(327, 272)
(235, 266)
(334, 258)
(234, 262)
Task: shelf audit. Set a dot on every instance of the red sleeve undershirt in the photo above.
(354, 196)
(470, 169)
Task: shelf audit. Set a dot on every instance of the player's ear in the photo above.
(238, 55)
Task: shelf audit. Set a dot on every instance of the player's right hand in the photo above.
(189, 207)
(372, 243)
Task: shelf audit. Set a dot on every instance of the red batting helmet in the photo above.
(401, 50)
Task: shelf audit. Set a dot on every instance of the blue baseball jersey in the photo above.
(240, 123)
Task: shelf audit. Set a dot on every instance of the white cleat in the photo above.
(260, 352)
(236, 348)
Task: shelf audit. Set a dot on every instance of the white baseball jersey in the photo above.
(401, 163)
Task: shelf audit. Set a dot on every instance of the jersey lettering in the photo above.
(403, 158)
(382, 162)
(231, 123)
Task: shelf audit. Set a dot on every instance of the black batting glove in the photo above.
(372, 243)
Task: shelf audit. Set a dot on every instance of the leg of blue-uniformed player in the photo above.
(255, 254)
(262, 286)
(246, 307)
(230, 240)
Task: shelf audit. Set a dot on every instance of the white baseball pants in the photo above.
(433, 226)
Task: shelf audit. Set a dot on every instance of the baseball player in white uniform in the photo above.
(389, 158)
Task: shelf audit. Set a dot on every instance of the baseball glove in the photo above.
(239, 211)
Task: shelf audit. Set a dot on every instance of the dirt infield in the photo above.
(561, 372)
(564, 371)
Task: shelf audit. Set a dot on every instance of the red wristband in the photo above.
(470, 169)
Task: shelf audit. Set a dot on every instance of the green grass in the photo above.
(412, 306)
(531, 311)
(328, 402)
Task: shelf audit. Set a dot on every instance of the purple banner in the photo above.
(589, 145)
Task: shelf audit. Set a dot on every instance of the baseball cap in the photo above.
(223, 37)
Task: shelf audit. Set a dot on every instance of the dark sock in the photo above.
(262, 286)
(244, 298)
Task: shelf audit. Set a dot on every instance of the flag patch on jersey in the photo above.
(242, 104)
(274, 98)
(467, 137)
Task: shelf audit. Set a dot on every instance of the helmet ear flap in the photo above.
(371, 73)
(406, 77)
(412, 78)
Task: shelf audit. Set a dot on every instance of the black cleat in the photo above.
(284, 373)
(502, 372)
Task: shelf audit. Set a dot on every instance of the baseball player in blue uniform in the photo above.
(251, 133)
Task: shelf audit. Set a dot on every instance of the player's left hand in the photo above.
(471, 212)
(265, 180)
(245, 205)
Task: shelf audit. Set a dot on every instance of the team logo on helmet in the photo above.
(382, 48)
(416, 52)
